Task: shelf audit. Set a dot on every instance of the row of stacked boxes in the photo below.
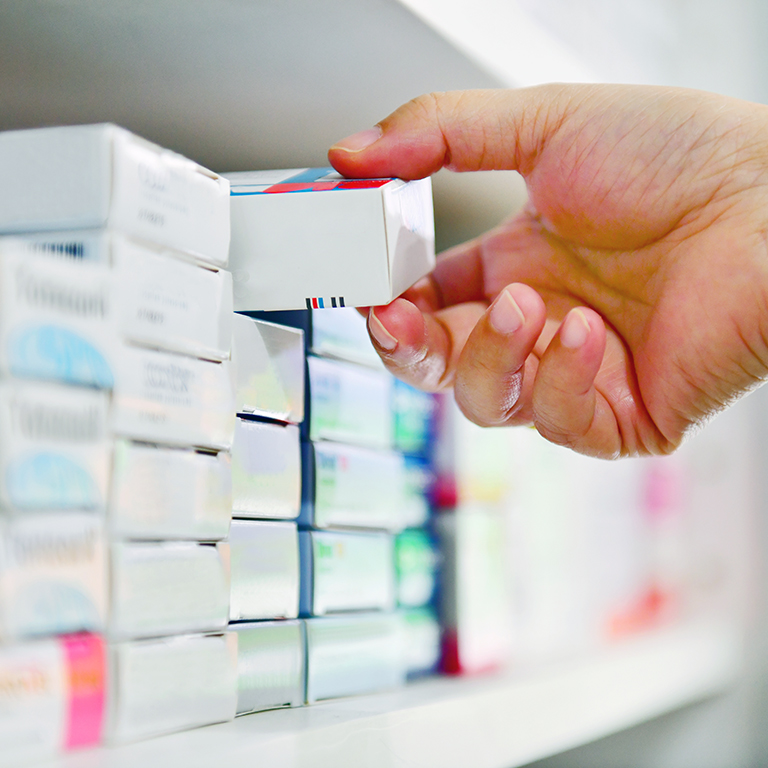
(138, 416)
(364, 550)
(117, 427)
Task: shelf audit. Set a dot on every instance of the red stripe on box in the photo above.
(316, 186)
(362, 183)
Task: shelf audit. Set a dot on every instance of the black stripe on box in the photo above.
(309, 303)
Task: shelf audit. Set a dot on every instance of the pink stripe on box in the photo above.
(86, 670)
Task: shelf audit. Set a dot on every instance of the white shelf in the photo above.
(488, 722)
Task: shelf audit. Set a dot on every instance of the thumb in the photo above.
(460, 130)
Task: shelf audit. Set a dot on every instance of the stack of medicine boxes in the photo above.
(116, 418)
(358, 493)
(268, 361)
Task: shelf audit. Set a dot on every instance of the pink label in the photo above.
(86, 669)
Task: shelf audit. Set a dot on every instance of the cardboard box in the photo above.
(171, 684)
(416, 563)
(102, 176)
(270, 665)
(166, 398)
(475, 604)
(421, 641)
(340, 333)
(415, 413)
(57, 319)
(169, 493)
(265, 570)
(53, 574)
(348, 404)
(167, 588)
(268, 363)
(346, 572)
(310, 238)
(158, 298)
(55, 451)
(51, 697)
(266, 470)
(345, 486)
(419, 490)
(355, 654)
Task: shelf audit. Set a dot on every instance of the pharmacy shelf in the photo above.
(234, 84)
(485, 722)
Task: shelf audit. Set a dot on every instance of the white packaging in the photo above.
(55, 451)
(266, 470)
(33, 701)
(168, 588)
(265, 570)
(354, 654)
(96, 176)
(53, 576)
(169, 493)
(421, 640)
(51, 697)
(114, 288)
(475, 603)
(268, 369)
(346, 572)
(349, 404)
(166, 398)
(310, 238)
(57, 318)
(167, 685)
(161, 300)
(270, 665)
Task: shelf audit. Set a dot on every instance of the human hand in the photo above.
(629, 301)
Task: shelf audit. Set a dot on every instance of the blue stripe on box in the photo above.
(305, 574)
(308, 176)
(306, 517)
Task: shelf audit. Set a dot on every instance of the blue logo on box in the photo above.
(58, 354)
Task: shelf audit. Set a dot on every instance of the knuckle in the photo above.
(492, 406)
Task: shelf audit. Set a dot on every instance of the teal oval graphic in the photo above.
(51, 352)
(53, 608)
(50, 481)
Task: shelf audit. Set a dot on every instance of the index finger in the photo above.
(460, 130)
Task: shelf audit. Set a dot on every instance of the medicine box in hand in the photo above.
(311, 238)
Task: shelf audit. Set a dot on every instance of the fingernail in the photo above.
(575, 330)
(380, 334)
(359, 141)
(506, 316)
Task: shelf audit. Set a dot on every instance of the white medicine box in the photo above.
(311, 238)
(102, 176)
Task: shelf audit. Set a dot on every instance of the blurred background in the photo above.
(245, 84)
